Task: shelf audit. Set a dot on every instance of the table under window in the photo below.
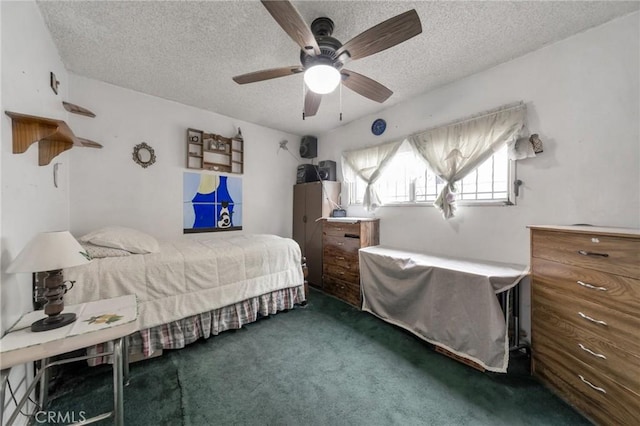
(449, 302)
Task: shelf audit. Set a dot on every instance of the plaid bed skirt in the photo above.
(178, 334)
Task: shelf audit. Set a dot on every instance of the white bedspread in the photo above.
(191, 276)
(446, 301)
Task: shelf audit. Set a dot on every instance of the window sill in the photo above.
(467, 203)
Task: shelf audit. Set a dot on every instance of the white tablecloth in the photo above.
(446, 301)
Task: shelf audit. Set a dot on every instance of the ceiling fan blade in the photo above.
(252, 77)
(311, 103)
(365, 86)
(383, 36)
(292, 23)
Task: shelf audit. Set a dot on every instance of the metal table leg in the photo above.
(125, 359)
(516, 315)
(44, 384)
(517, 346)
(118, 401)
(4, 378)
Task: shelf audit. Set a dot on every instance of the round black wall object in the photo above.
(378, 127)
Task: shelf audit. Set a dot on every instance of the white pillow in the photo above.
(123, 238)
(99, 252)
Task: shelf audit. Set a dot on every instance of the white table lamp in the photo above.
(50, 252)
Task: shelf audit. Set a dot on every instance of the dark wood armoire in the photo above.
(312, 201)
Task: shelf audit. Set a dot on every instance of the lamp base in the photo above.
(54, 322)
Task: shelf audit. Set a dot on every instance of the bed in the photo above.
(188, 288)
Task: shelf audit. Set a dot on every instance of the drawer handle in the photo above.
(340, 244)
(591, 352)
(342, 258)
(591, 319)
(593, 287)
(592, 253)
(591, 384)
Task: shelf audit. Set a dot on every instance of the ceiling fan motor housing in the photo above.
(328, 48)
(322, 29)
(322, 26)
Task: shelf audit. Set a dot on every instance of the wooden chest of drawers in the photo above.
(340, 263)
(586, 318)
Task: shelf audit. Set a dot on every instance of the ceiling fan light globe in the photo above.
(322, 79)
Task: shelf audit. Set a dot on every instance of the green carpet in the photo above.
(324, 364)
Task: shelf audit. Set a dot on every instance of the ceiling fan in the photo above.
(322, 57)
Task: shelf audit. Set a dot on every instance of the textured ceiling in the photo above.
(189, 51)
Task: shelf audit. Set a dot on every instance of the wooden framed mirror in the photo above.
(144, 155)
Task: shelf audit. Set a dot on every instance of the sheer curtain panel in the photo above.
(454, 150)
(368, 164)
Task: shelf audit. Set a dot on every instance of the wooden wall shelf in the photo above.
(53, 136)
(208, 151)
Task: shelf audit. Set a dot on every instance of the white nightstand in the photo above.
(98, 322)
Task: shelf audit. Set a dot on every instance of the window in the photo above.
(398, 185)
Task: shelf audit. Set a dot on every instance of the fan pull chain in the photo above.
(303, 96)
(340, 101)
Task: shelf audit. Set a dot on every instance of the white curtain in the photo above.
(368, 164)
(454, 150)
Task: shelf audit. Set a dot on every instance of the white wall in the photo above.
(108, 188)
(582, 96)
(30, 203)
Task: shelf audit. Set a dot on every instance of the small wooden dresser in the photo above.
(585, 314)
(341, 240)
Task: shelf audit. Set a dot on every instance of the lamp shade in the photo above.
(49, 251)
(322, 79)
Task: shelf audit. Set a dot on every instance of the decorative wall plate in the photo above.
(378, 127)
